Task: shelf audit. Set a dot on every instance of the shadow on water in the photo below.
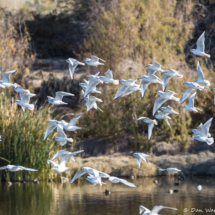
(82, 198)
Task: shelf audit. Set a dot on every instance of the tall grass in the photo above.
(22, 137)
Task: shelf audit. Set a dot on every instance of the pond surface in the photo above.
(82, 198)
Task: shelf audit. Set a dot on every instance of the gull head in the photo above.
(213, 89)
(160, 93)
(122, 81)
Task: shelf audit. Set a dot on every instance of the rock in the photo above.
(132, 177)
(176, 184)
(63, 180)
(107, 192)
(155, 181)
(175, 191)
(23, 182)
(9, 183)
(170, 191)
(50, 180)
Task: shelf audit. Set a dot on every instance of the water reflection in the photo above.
(82, 198)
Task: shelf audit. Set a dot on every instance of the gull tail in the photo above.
(198, 109)
(31, 107)
(70, 140)
(207, 55)
(210, 141)
(116, 82)
(176, 99)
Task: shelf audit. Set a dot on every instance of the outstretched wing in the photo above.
(156, 209)
(158, 103)
(75, 120)
(27, 169)
(94, 58)
(151, 72)
(92, 84)
(129, 184)
(60, 94)
(6, 76)
(150, 128)
(139, 161)
(109, 74)
(143, 210)
(78, 175)
(49, 130)
(61, 153)
(122, 89)
(60, 132)
(90, 105)
(191, 100)
(165, 79)
(201, 42)
(188, 91)
(3, 167)
(143, 87)
(206, 127)
(200, 72)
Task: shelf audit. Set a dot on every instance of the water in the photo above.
(83, 199)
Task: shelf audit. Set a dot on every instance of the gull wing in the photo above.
(156, 209)
(200, 72)
(150, 128)
(49, 130)
(6, 76)
(25, 97)
(60, 94)
(109, 74)
(78, 175)
(129, 184)
(200, 126)
(61, 132)
(206, 127)
(188, 91)
(103, 174)
(52, 162)
(151, 72)
(94, 58)
(90, 105)
(191, 100)
(157, 64)
(143, 157)
(75, 120)
(142, 118)
(77, 152)
(170, 93)
(165, 79)
(139, 161)
(27, 169)
(64, 159)
(143, 87)
(201, 42)
(122, 89)
(92, 84)
(158, 103)
(72, 65)
(143, 210)
(61, 153)
(3, 167)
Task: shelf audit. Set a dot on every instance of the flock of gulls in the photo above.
(128, 86)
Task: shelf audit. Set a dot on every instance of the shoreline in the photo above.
(201, 164)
